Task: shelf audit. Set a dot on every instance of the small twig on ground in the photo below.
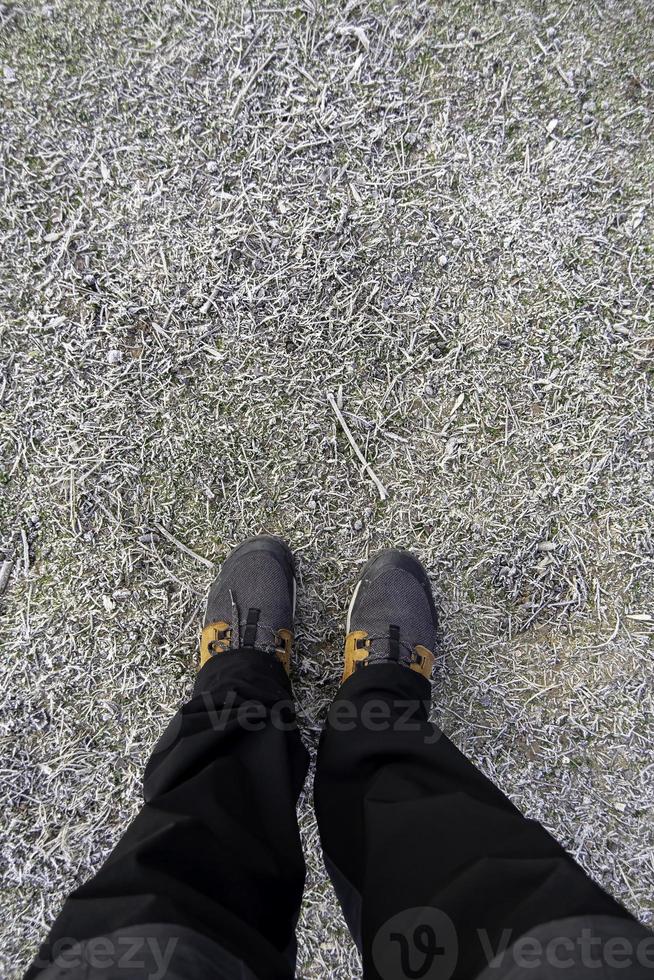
(383, 492)
(26, 550)
(250, 82)
(5, 572)
(182, 547)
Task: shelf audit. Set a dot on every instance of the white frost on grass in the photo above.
(215, 217)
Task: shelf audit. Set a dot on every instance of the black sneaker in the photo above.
(252, 602)
(392, 616)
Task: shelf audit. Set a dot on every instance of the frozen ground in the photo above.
(214, 215)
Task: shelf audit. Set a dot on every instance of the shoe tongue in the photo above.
(387, 647)
(250, 632)
(247, 630)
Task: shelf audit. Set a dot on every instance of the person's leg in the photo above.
(432, 863)
(215, 850)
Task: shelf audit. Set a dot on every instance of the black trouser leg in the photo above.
(407, 822)
(216, 847)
